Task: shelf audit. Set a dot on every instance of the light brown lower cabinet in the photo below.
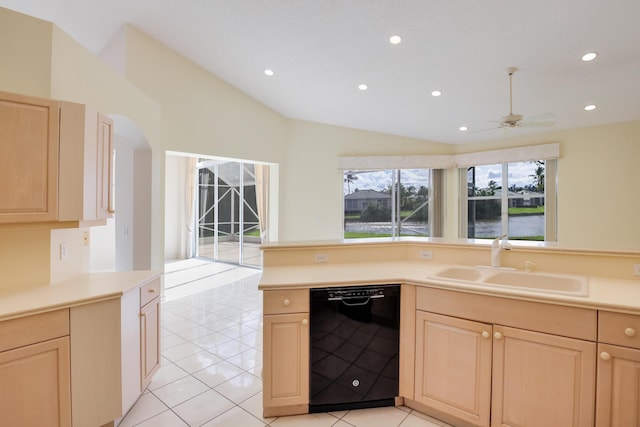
(149, 340)
(618, 395)
(115, 350)
(491, 361)
(487, 374)
(542, 379)
(83, 366)
(35, 387)
(453, 366)
(286, 370)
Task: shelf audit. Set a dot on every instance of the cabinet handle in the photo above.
(286, 302)
(305, 322)
(630, 332)
(605, 356)
(152, 291)
(485, 334)
(497, 336)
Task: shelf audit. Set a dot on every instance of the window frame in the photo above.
(550, 195)
(435, 200)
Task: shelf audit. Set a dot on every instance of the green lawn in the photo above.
(538, 210)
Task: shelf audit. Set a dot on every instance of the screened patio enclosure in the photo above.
(228, 221)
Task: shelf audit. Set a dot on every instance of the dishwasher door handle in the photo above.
(354, 304)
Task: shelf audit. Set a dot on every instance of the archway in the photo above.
(124, 244)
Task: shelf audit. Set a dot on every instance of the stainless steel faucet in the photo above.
(498, 245)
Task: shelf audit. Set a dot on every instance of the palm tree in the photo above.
(538, 178)
(349, 178)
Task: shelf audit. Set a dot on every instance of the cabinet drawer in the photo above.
(33, 329)
(286, 301)
(619, 328)
(554, 319)
(149, 291)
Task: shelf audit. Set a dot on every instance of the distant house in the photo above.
(358, 201)
(523, 199)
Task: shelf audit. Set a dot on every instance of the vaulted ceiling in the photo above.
(320, 51)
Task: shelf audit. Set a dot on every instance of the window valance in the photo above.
(505, 155)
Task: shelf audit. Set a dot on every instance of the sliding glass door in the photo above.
(227, 220)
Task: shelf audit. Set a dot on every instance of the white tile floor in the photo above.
(212, 360)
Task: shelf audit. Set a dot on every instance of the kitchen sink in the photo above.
(572, 285)
(541, 282)
(460, 273)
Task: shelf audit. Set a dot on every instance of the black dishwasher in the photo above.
(354, 338)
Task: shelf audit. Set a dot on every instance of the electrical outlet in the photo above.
(636, 269)
(425, 255)
(321, 258)
(63, 251)
(85, 238)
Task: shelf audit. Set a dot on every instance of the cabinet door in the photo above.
(542, 380)
(618, 395)
(105, 167)
(453, 366)
(286, 360)
(149, 341)
(28, 159)
(36, 390)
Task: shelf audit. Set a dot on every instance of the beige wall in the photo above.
(311, 187)
(25, 44)
(201, 113)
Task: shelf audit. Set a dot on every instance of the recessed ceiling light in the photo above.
(590, 107)
(395, 39)
(363, 86)
(589, 56)
(436, 93)
(269, 72)
(463, 128)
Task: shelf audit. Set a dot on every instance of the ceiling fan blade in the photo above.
(484, 130)
(540, 120)
(535, 124)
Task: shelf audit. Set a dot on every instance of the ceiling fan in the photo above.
(512, 121)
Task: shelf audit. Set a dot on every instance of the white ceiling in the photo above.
(321, 50)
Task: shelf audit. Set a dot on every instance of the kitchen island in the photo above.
(472, 352)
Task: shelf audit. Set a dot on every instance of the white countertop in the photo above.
(83, 289)
(604, 293)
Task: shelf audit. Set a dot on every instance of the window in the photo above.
(515, 199)
(391, 203)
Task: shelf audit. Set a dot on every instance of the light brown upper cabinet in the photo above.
(86, 172)
(29, 130)
(56, 161)
(105, 170)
